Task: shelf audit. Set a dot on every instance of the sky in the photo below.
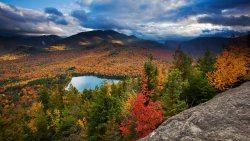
(149, 19)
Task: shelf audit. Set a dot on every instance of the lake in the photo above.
(89, 82)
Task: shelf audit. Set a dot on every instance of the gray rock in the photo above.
(224, 118)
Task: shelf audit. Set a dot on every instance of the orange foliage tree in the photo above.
(230, 67)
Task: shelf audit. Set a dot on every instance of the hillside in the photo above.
(225, 117)
(96, 52)
(96, 38)
(111, 60)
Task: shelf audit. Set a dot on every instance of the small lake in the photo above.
(89, 82)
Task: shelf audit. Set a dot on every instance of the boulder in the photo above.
(226, 117)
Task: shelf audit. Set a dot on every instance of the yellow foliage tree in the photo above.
(37, 116)
(160, 78)
(230, 67)
(55, 117)
(127, 105)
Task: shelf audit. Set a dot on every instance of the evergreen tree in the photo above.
(182, 62)
(199, 89)
(44, 98)
(150, 74)
(103, 109)
(206, 62)
(171, 102)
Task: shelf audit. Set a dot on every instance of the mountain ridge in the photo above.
(98, 38)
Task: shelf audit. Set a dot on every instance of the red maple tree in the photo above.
(145, 115)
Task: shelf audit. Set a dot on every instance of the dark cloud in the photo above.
(216, 6)
(162, 18)
(103, 23)
(55, 15)
(222, 32)
(226, 21)
(209, 7)
(147, 11)
(11, 12)
(96, 21)
(57, 19)
(15, 21)
(79, 14)
(53, 11)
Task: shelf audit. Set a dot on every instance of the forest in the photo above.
(41, 109)
(124, 70)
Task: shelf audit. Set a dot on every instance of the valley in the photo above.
(103, 58)
(115, 61)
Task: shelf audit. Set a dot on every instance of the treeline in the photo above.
(128, 110)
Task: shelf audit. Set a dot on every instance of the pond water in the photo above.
(89, 82)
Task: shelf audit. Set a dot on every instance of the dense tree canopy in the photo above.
(42, 109)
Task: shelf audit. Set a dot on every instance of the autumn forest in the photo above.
(124, 70)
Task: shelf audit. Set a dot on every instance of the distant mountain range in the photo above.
(198, 45)
(92, 39)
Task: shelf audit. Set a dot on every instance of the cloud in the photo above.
(226, 21)
(79, 14)
(21, 21)
(55, 15)
(123, 15)
(225, 32)
(97, 22)
(162, 18)
(53, 11)
(151, 19)
(212, 7)
(86, 3)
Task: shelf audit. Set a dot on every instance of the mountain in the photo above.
(98, 37)
(225, 117)
(9, 43)
(110, 38)
(199, 45)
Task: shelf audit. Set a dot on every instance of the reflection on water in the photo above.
(88, 82)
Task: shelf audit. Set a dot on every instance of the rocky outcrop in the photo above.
(224, 118)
